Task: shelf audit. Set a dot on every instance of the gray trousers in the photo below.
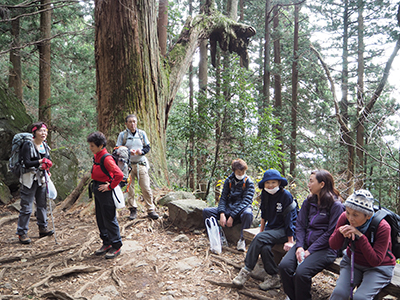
(27, 197)
(370, 280)
(262, 244)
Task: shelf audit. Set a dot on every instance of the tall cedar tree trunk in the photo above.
(130, 76)
(232, 10)
(277, 81)
(295, 79)
(346, 140)
(44, 65)
(15, 77)
(162, 25)
(360, 97)
(191, 108)
(267, 55)
(203, 82)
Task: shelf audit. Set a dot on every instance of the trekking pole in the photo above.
(51, 210)
(352, 248)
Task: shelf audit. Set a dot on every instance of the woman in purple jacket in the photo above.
(315, 223)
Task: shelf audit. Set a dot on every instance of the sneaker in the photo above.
(241, 278)
(133, 214)
(153, 215)
(102, 250)
(113, 253)
(24, 239)
(274, 282)
(241, 245)
(43, 231)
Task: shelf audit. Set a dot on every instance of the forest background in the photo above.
(315, 92)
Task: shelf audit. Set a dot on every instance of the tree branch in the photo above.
(328, 75)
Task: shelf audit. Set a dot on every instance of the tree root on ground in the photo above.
(254, 294)
(63, 272)
(220, 283)
(60, 295)
(8, 259)
(227, 261)
(128, 224)
(8, 219)
(79, 292)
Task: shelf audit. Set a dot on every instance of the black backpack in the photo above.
(394, 221)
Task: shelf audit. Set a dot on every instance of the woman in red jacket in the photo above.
(102, 186)
(373, 264)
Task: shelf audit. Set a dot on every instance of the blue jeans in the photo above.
(245, 217)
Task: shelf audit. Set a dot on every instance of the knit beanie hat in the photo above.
(272, 174)
(361, 200)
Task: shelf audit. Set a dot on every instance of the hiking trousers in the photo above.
(370, 280)
(106, 217)
(28, 195)
(262, 244)
(140, 171)
(297, 278)
(245, 217)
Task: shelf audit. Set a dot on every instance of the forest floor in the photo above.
(157, 262)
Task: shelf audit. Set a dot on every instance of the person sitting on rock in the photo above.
(278, 216)
(373, 264)
(235, 202)
(314, 225)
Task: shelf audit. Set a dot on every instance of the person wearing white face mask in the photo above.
(235, 202)
(279, 209)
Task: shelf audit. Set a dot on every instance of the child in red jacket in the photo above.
(373, 264)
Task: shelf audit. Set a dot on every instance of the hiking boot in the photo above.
(24, 239)
(113, 253)
(241, 245)
(133, 214)
(102, 250)
(274, 282)
(241, 278)
(43, 231)
(153, 215)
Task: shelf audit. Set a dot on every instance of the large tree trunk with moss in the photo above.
(44, 65)
(131, 76)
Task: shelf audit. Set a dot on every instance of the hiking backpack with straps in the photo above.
(125, 137)
(121, 158)
(119, 162)
(394, 221)
(15, 163)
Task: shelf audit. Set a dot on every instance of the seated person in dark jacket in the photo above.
(235, 203)
(278, 215)
(315, 224)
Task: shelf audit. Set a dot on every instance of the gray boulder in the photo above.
(175, 196)
(186, 214)
(64, 171)
(5, 195)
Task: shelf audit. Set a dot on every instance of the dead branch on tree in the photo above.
(71, 199)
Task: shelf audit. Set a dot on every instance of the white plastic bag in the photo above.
(213, 235)
(118, 197)
(51, 189)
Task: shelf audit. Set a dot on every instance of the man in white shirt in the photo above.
(138, 144)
